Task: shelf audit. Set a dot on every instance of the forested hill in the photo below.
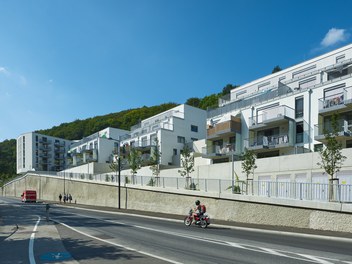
(123, 120)
(82, 128)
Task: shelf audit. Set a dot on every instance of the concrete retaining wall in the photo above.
(240, 208)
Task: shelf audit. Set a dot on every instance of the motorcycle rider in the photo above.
(198, 211)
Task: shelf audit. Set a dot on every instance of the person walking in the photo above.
(70, 198)
(47, 207)
(60, 197)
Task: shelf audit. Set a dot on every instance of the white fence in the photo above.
(285, 190)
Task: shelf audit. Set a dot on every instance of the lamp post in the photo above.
(118, 160)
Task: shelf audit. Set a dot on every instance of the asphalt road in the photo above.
(84, 236)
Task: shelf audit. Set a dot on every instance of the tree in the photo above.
(210, 101)
(277, 68)
(227, 89)
(248, 164)
(134, 161)
(114, 165)
(331, 155)
(155, 159)
(193, 101)
(187, 164)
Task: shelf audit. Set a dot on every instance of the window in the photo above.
(303, 71)
(175, 152)
(194, 139)
(307, 83)
(318, 147)
(181, 140)
(299, 132)
(338, 72)
(194, 128)
(349, 144)
(340, 58)
(299, 107)
(262, 85)
(238, 95)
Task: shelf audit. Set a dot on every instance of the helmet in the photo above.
(197, 202)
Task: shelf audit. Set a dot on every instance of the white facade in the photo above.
(173, 129)
(98, 147)
(285, 112)
(41, 153)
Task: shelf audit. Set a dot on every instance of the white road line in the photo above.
(31, 243)
(118, 245)
(273, 252)
(318, 260)
(248, 229)
(282, 253)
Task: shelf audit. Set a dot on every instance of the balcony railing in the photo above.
(151, 128)
(219, 150)
(344, 129)
(272, 114)
(259, 97)
(231, 126)
(267, 141)
(333, 101)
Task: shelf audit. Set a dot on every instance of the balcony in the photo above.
(143, 143)
(224, 128)
(45, 142)
(339, 102)
(344, 131)
(269, 142)
(219, 151)
(272, 116)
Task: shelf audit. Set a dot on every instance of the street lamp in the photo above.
(118, 160)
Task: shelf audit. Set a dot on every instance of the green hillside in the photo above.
(82, 128)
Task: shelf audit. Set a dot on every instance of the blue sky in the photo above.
(63, 60)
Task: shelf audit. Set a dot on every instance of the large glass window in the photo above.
(299, 132)
(299, 107)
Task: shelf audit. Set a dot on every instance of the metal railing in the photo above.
(283, 190)
(342, 96)
(273, 113)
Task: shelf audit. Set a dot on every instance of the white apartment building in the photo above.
(98, 147)
(286, 112)
(173, 129)
(41, 153)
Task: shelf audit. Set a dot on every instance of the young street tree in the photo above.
(248, 165)
(187, 164)
(114, 165)
(331, 155)
(155, 160)
(134, 161)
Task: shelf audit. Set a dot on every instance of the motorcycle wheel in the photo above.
(203, 224)
(188, 221)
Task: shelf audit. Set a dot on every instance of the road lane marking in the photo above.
(318, 260)
(118, 245)
(248, 229)
(304, 257)
(31, 243)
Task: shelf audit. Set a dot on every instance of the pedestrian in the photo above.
(47, 207)
(65, 198)
(60, 197)
(70, 198)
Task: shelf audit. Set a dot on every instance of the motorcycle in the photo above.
(203, 221)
